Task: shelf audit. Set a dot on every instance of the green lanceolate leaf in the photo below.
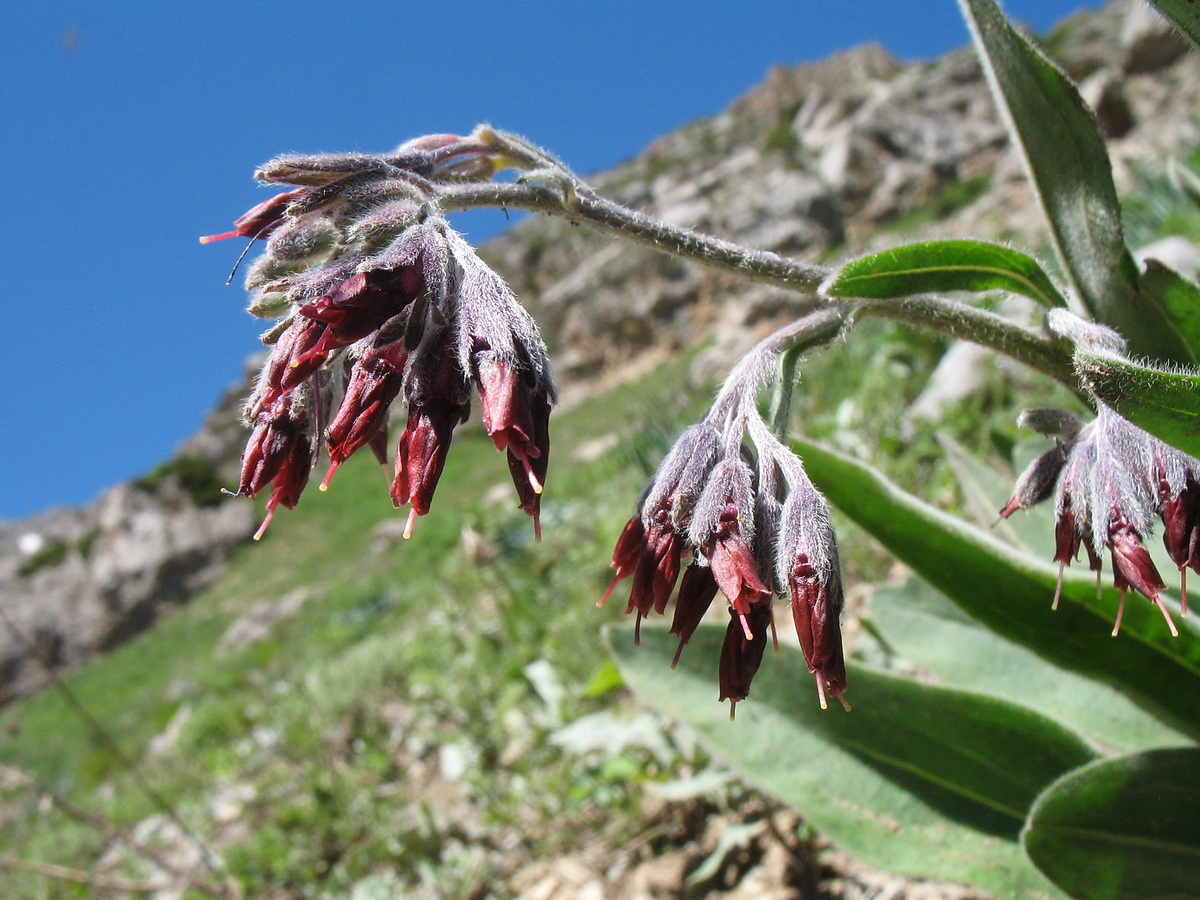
(1183, 15)
(1011, 593)
(1122, 829)
(1166, 404)
(922, 626)
(917, 779)
(1069, 167)
(1177, 302)
(934, 266)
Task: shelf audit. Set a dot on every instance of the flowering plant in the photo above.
(1047, 759)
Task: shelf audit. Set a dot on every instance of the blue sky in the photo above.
(130, 128)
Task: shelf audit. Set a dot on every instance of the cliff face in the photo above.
(819, 161)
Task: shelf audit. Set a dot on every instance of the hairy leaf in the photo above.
(1068, 165)
(922, 626)
(1166, 404)
(1183, 15)
(943, 266)
(1122, 828)
(1011, 593)
(917, 779)
(1177, 302)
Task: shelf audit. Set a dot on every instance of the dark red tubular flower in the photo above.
(626, 554)
(1069, 531)
(734, 568)
(652, 545)
(439, 400)
(261, 220)
(742, 653)
(697, 591)
(357, 307)
(290, 481)
(656, 572)
(278, 453)
(808, 570)
(291, 363)
(376, 378)
(816, 610)
(516, 413)
(1180, 511)
(529, 459)
(652, 556)
(1133, 567)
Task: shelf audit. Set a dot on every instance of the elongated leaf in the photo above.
(923, 626)
(917, 779)
(1068, 165)
(1122, 829)
(1166, 404)
(1177, 301)
(1183, 15)
(933, 266)
(1010, 593)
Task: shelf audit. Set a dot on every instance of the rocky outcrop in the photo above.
(78, 582)
(820, 161)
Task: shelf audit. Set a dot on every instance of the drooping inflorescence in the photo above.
(377, 296)
(1110, 480)
(734, 499)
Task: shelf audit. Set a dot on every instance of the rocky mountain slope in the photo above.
(819, 161)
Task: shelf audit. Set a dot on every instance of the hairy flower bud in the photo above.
(809, 567)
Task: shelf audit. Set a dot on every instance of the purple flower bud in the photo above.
(323, 169)
(1037, 482)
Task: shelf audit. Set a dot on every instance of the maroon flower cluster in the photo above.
(1110, 480)
(753, 526)
(379, 297)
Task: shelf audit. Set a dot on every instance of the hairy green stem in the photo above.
(577, 203)
(781, 396)
(582, 205)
